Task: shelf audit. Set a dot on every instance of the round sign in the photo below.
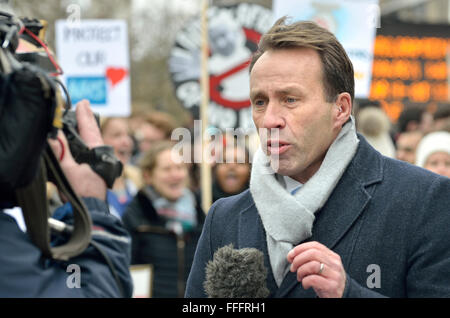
(234, 33)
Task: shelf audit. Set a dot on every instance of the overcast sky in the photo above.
(188, 6)
(148, 19)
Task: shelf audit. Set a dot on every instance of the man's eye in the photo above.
(258, 102)
(290, 100)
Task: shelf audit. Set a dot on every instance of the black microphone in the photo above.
(236, 273)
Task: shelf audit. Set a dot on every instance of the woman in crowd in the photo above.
(115, 133)
(164, 220)
(232, 174)
(153, 127)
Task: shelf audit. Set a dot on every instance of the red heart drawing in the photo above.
(115, 75)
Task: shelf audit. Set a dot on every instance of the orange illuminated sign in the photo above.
(409, 69)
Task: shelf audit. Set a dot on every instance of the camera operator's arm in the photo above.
(98, 279)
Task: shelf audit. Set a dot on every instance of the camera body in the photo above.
(101, 159)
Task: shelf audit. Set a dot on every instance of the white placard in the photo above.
(94, 57)
(142, 276)
(354, 24)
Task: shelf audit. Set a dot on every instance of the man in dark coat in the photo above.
(332, 216)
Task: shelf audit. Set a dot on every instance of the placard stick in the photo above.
(206, 183)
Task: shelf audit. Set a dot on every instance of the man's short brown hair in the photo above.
(337, 68)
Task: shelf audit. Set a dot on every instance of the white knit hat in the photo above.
(431, 143)
(374, 125)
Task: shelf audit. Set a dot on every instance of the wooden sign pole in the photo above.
(206, 180)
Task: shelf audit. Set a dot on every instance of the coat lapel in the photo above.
(252, 234)
(343, 208)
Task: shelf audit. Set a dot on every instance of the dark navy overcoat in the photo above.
(385, 218)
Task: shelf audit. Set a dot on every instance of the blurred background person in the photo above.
(373, 123)
(135, 120)
(406, 145)
(433, 153)
(427, 122)
(165, 221)
(442, 117)
(232, 175)
(115, 132)
(413, 118)
(154, 127)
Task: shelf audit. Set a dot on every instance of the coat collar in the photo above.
(252, 234)
(350, 197)
(333, 221)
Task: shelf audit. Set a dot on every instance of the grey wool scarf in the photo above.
(287, 218)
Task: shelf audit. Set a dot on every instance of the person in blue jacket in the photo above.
(25, 272)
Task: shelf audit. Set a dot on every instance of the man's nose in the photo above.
(273, 117)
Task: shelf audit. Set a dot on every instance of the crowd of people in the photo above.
(301, 83)
(419, 137)
(159, 199)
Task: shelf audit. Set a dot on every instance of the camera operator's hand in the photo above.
(83, 179)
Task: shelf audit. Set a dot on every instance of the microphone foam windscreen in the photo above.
(236, 273)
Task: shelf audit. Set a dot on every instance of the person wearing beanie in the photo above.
(433, 153)
(373, 123)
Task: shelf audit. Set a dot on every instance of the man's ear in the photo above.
(342, 109)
